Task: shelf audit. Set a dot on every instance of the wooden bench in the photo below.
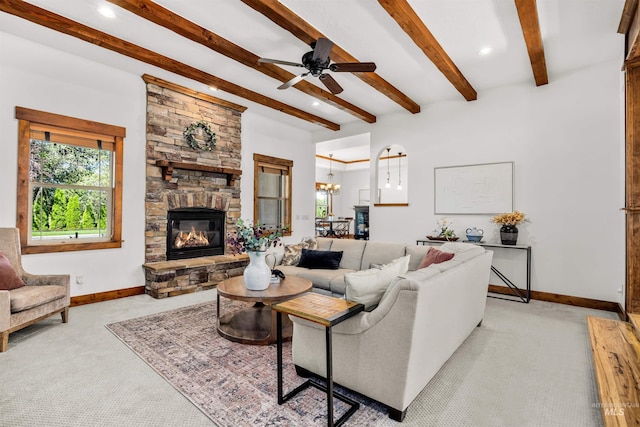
(615, 346)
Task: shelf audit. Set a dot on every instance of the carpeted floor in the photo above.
(233, 384)
(527, 365)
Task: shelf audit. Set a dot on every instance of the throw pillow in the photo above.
(325, 260)
(8, 277)
(368, 286)
(434, 256)
(292, 253)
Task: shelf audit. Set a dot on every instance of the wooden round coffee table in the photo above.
(256, 324)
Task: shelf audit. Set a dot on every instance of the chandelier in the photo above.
(330, 188)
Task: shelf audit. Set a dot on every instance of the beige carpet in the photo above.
(233, 384)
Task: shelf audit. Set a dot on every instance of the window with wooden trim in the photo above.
(69, 183)
(272, 192)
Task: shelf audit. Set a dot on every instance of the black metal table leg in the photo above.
(329, 377)
(279, 345)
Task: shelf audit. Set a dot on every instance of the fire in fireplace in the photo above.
(195, 232)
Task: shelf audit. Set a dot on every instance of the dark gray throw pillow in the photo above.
(326, 260)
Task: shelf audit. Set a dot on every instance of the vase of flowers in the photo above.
(509, 221)
(253, 239)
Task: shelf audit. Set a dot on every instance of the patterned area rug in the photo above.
(233, 384)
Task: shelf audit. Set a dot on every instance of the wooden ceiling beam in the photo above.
(628, 15)
(155, 13)
(64, 25)
(287, 19)
(528, 15)
(410, 22)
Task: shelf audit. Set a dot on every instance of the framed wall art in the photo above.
(474, 189)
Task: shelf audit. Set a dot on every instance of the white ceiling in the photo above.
(574, 33)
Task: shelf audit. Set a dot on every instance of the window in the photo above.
(272, 192)
(69, 183)
(322, 202)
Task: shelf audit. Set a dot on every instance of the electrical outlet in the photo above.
(79, 280)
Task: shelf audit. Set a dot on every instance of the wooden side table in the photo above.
(256, 324)
(326, 311)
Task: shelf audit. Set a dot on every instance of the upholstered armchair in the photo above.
(40, 296)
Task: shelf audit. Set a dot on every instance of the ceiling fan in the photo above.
(317, 61)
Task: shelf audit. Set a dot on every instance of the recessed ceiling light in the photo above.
(315, 103)
(213, 88)
(485, 51)
(106, 11)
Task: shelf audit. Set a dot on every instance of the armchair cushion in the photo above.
(8, 277)
(27, 297)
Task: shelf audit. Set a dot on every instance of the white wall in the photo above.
(565, 140)
(46, 79)
(264, 136)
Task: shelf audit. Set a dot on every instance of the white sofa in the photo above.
(390, 353)
(357, 255)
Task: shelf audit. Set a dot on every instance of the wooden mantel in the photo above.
(168, 167)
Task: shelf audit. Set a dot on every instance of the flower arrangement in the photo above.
(443, 229)
(510, 218)
(250, 237)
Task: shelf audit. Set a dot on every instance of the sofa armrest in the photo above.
(366, 320)
(5, 311)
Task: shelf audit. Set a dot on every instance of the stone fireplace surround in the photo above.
(195, 178)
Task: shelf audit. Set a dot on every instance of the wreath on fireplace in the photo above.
(190, 135)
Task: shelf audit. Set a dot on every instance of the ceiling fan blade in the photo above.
(293, 81)
(322, 49)
(353, 67)
(331, 84)
(277, 61)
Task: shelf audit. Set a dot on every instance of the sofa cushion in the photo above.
(434, 256)
(353, 250)
(462, 251)
(8, 277)
(27, 297)
(321, 279)
(324, 243)
(368, 286)
(381, 253)
(417, 252)
(325, 260)
(444, 266)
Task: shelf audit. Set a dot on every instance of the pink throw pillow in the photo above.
(434, 256)
(8, 277)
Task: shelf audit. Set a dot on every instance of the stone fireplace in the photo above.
(189, 187)
(195, 232)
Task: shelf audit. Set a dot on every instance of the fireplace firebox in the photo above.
(195, 232)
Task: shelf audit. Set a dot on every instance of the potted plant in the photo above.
(509, 221)
(254, 239)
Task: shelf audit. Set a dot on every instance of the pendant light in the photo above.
(399, 171)
(388, 184)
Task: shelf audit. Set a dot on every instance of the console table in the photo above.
(517, 294)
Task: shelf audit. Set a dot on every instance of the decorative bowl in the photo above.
(442, 239)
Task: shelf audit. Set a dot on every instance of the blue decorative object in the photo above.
(474, 234)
